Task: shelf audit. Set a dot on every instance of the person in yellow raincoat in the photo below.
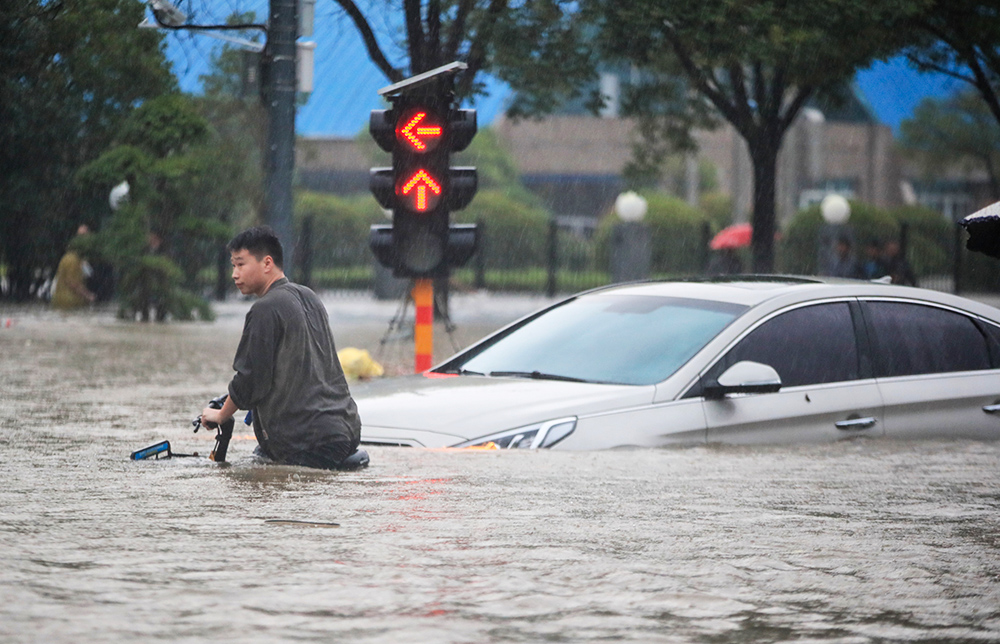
(71, 290)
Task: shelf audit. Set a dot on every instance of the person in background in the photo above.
(71, 290)
(897, 266)
(844, 264)
(873, 266)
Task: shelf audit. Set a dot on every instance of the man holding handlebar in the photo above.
(286, 365)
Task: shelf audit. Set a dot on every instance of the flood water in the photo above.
(859, 541)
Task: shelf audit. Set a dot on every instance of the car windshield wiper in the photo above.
(537, 375)
(462, 372)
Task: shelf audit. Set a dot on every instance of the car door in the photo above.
(935, 370)
(828, 392)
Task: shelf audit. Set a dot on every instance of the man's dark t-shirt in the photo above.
(288, 373)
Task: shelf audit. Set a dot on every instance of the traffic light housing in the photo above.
(421, 188)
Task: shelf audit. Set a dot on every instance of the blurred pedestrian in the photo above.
(71, 290)
(897, 266)
(843, 263)
(873, 266)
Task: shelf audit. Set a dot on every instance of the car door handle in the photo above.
(856, 423)
(992, 409)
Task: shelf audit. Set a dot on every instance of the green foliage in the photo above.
(677, 231)
(718, 207)
(532, 280)
(165, 125)
(70, 73)
(799, 248)
(515, 232)
(178, 200)
(958, 131)
(339, 227)
(929, 239)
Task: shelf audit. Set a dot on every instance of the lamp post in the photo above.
(836, 212)
(631, 245)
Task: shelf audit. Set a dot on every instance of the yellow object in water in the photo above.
(70, 283)
(358, 364)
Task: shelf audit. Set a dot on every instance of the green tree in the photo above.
(539, 47)
(956, 131)
(178, 207)
(757, 63)
(70, 73)
(961, 38)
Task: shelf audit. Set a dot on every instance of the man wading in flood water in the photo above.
(287, 371)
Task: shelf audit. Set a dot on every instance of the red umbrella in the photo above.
(735, 236)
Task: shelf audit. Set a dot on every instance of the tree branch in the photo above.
(706, 85)
(794, 107)
(371, 44)
(741, 101)
(478, 48)
(457, 30)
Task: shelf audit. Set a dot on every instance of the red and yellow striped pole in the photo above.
(423, 329)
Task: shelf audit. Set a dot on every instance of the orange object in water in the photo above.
(423, 329)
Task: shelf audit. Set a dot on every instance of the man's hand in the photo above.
(218, 416)
(209, 415)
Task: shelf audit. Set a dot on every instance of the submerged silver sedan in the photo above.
(752, 360)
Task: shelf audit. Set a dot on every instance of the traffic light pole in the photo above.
(423, 328)
(279, 161)
(421, 188)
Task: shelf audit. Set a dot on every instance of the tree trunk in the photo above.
(765, 163)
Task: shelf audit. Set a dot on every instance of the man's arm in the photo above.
(219, 416)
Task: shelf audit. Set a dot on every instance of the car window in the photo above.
(806, 346)
(626, 339)
(993, 340)
(915, 339)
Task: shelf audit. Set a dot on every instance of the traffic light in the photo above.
(421, 188)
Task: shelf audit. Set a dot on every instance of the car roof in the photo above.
(753, 290)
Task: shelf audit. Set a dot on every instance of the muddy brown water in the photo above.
(860, 541)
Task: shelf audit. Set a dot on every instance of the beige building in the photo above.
(853, 159)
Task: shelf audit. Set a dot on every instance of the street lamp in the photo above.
(835, 210)
(167, 14)
(630, 206)
(631, 243)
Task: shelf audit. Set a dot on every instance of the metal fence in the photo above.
(573, 261)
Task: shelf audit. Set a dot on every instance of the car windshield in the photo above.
(606, 338)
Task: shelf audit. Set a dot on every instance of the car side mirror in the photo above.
(744, 377)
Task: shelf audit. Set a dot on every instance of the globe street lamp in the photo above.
(835, 243)
(631, 243)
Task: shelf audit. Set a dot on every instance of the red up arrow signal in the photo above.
(422, 189)
(418, 132)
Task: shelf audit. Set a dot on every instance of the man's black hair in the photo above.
(260, 241)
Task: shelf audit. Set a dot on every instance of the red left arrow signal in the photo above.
(418, 131)
(422, 189)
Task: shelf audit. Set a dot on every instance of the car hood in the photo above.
(441, 411)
